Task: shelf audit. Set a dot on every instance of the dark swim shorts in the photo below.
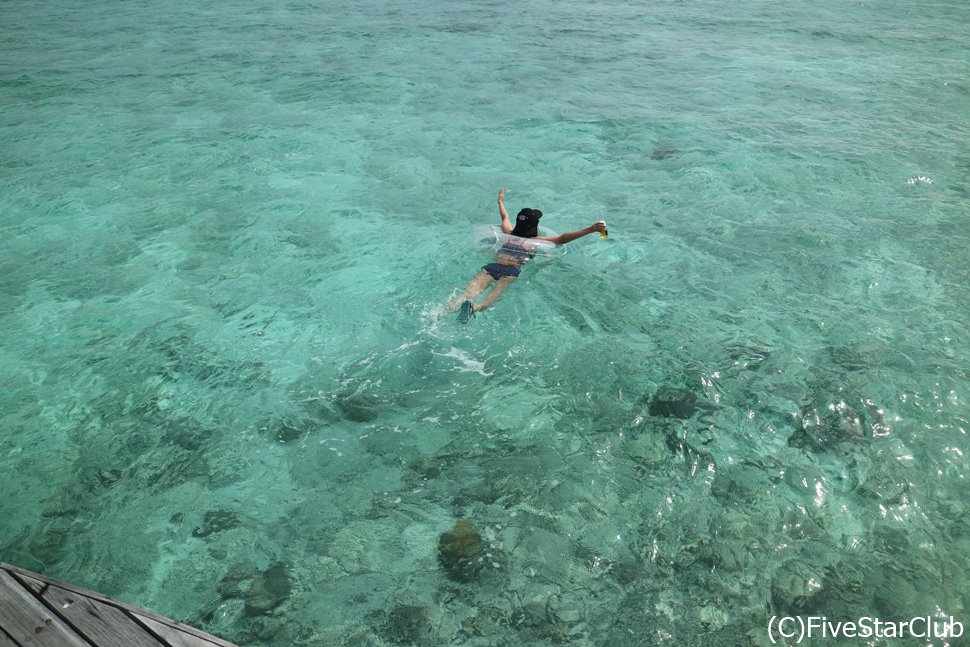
(498, 271)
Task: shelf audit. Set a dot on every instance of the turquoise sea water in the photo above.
(228, 392)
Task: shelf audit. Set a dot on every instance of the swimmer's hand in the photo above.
(506, 223)
(569, 236)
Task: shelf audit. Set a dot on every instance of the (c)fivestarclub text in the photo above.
(801, 627)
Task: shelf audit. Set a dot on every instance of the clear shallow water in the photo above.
(228, 393)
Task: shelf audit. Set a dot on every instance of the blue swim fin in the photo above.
(466, 312)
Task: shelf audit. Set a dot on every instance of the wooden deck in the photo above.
(38, 611)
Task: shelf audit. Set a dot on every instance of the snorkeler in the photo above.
(517, 250)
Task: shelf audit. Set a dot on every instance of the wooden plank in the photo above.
(5, 640)
(176, 636)
(28, 621)
(37, 581)
(103, 624)
(88, 593)
(33, 585)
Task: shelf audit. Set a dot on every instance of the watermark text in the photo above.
(798, 628)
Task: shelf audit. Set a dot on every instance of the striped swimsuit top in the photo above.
(515, 252)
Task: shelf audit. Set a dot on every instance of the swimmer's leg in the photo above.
(495, 293)
(475, 287)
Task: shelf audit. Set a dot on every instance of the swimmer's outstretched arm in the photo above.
(562, 239)
(506, 224)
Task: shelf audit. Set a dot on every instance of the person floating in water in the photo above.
(517, 250)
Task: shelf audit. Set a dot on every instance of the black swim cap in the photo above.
(527, 223)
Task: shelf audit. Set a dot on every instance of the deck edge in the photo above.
(124, 606)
